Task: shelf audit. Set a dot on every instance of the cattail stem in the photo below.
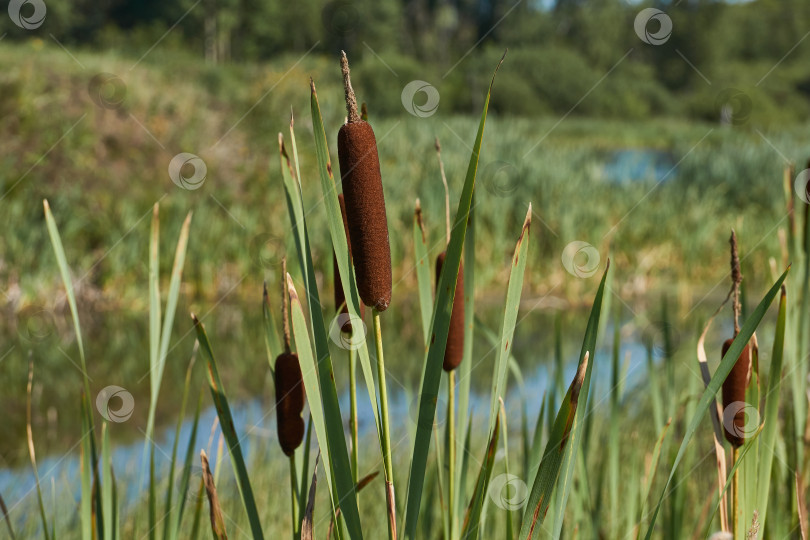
(294, 499)
(451, 450)
(446, 190)
(386, 429)
(351, 100)
(735, 500)
(285, 317)
(353, 410)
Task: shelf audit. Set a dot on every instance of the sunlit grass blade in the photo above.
(510, 312)
(440, 323)
(86, 472)
(171, 517)
(307, 523)
(229, 432)
(569, 457)
(472, 519)
(771, 416)
(720, 375)
(304, 471)
(154, 317)
(420, 252)
(321, 394)
(550, 465)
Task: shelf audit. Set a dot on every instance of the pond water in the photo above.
(639, 164)
(116, 355)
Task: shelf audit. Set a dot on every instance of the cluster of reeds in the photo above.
(564, 436)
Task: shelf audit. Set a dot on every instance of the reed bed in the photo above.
(627, 468)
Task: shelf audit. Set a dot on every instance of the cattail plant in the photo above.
(735, 385)
(289, 383)
(365, 203)
(346, 327)
(368, 234)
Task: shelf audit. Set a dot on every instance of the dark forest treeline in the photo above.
(558, 52)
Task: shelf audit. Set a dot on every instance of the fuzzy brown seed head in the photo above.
(340, 297)
(454, 351)
(289, 402)
(365, 213)
(734, 392)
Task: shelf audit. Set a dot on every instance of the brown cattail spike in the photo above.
(340, 298)
(365, 204)
(454, 351)
(736, 279)
(289, 402)
(734, 405)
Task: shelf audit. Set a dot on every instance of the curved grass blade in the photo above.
(720, 375)
(550, 465)
(440, 323)
(229, 432)
(569, 459)
(319, 383)
(4, 508)
(472, 520)
(186, 476)
(272, 345)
